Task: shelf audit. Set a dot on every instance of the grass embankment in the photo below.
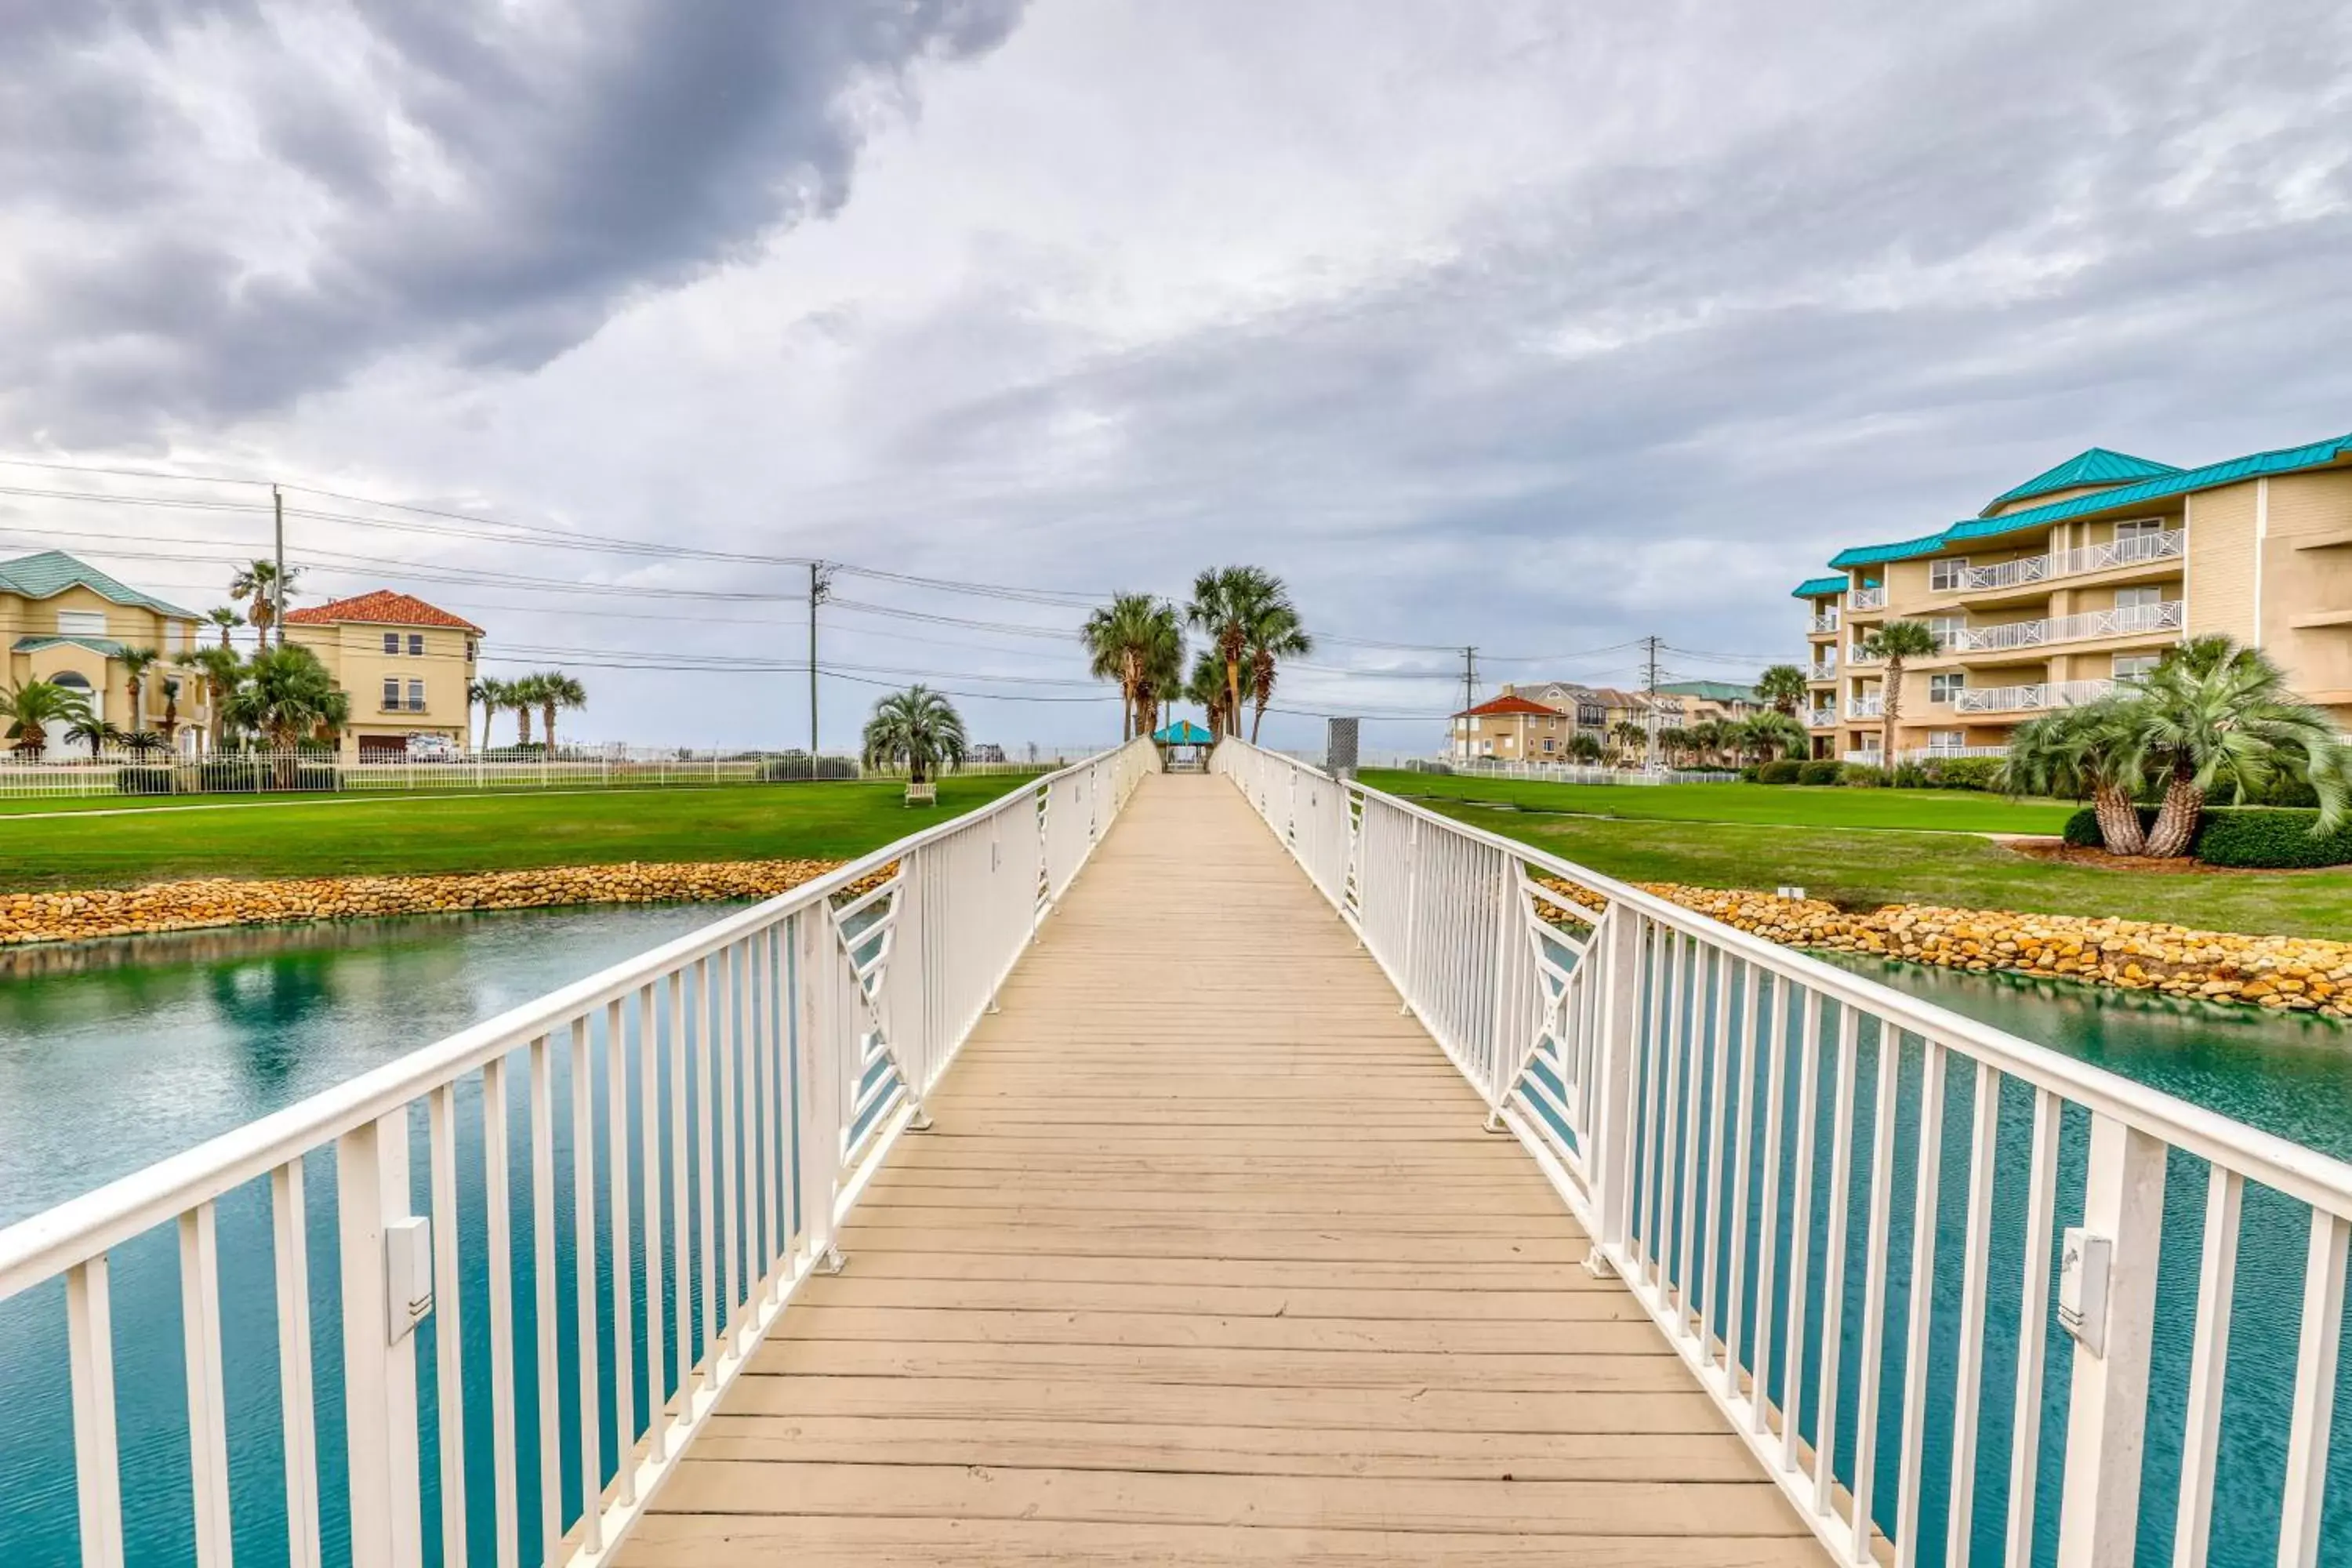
(1784, 805)
(425, 834)
(1877, 856)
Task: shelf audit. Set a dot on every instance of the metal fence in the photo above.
(663, 1150)
(1917, 1262)
(1567, 773)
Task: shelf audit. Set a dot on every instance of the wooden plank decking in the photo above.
(1208, 1260)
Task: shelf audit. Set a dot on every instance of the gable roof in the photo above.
(105, 646)
(2095, 466)
(1710, 690)
(383, 607)
(52, 572)
(1504, 707)
(1817, 587)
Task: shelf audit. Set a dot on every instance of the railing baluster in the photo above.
(1873, 1291)
(1975, 1242)
(616, 1155)
(649, 1182)
(2314, 1391)
(714, 1316)
(207, 1405)
(1710, 1215)
(1800, 1228)
(584, 1285)
(680, 1189)
(291, 1265)
(1841, 1192)
(1768, 1211)
(1912, 1460)
(756, 1187)
(496, 1199)
(542, 1239)
(1680, 953)
(448, 1339)
(98, 1479)
(2032, 1329)
(2208, 1362)
(730, 1001)
(1743, 1148)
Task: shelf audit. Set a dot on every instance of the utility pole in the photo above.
(278, 587)
(1650, 695)
(1469, 698)
(820, 581)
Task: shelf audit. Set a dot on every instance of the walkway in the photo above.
(1208, 1260)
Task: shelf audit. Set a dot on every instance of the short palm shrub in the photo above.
(1782, 771)
(1819, 771)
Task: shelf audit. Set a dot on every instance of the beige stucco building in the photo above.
(1533, 721)
(2084, 575)
(407, 665)
(64, 621)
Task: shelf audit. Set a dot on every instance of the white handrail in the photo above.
(818, 1012)
(1642, 1052)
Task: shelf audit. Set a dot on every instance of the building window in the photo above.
(392, 694)
(416, 644)
(1945, 688)
(2138, 526)
(1946, 740)
(2132, 666)
(1944, 577)
(416, 697)
(392, 643)
(81, 623)
(170, 636)
(2137, 598)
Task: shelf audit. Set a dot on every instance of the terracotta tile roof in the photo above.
(1504, 706)
(383, 607)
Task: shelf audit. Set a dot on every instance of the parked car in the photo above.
(431, 749)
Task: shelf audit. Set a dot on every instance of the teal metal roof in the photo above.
(52, 572)
(106, 645)
(1711, 690)
(2097, 466)
(1184, 732)
(2179, 481)
(1815, 587)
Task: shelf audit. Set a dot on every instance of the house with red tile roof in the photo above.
(407, 665)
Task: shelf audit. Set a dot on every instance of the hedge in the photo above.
(1782, 771)
(1965, 772)
(1862, 776)
(1819, 771)
(2271, 837)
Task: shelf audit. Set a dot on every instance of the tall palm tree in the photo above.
(1163, 666)
(221, 670)
(1275, 633)
(2083, 750)
(170, 724)
(1674, 742)
(2213, 716)
(227, 618)
(916, 728)
(1206, 686)
(1628, 737)
(1226, 601)
(1782, 686)
(491, 693)
(1118, 639)
(1896, 642)
(136, 662)
(287, 697)
(522, 696)
(552, 689)
(258, 581)
(32, 707)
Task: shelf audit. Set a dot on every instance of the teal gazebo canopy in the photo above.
(1184, 732)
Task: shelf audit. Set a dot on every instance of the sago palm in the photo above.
(2213, 717)
(1782, 686)
(1896, 642)
(917, 729)
(2083, 750)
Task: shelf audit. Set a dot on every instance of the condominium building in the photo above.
(64, 621)
(407, 667)
(1689, 703)
(2080, 577)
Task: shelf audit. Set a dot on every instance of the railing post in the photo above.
(1616, 945)
(379, 1374)
(816, 957)
(2107, 1417)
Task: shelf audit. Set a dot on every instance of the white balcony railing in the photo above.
(1869, 756)
(1825, 621)
(2130, 621)
(2031, 699)
(1742, 1130)
(2130, 550)
(1867, 598)
(1821, 718)
(1825, 670)
(1865, 707)
(1860, 654)
(716, 1105)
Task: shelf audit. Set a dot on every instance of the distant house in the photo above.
(1693, 702)
(1533, 721)
(64, 621)
(407, 665)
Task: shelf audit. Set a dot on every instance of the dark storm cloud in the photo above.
(220, 207)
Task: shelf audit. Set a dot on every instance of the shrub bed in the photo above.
(2270, 837)
(1965, 772)
(1784, 772)
(1862, 776)
(1819, 771)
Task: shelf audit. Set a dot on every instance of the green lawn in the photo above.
(1790, 806)
(1862, 868)
(304, 837)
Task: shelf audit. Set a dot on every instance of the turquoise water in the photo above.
(113, 1055)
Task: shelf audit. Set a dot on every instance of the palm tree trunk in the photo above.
(547, 717)
(1257, 717)
(2177, 819)
(522, 724)
(1890, 707)
(2118, 814)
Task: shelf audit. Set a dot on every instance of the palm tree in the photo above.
(1585, 746)
(87, 729)
(227, 618)
(2213, 716)
(1275, 633)
(1163, 666)
(1707, 738)
(1226, 601)
(1630, 738)
(136, 662)
(171, 721)
(917, 729)
(1118, 639)
(1674, 742)
(1773, 734)
(1784, 686)
(287, 697)
(222, 671)
(1206, 686)
(2079, 750)
(258, 581)
(550, 690)
(33, 706)
(1895, 642)
(522, 696)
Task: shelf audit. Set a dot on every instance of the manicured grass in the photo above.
(1791, 806)
(476, 832)
(1862, 868)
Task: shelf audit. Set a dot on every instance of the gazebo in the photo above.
(1188, 738)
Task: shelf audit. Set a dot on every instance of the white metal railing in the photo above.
(2028, 699)
(1821, 718)
(1865, 707)
(2128, 550)
(1760, 1145)
(692, 1124)
(1867, 598)
(1825, 670)
(2162, 617)
(1568, 773)
(1825, 620)
(1932, 753)
(1860, 653)
(1868, 756)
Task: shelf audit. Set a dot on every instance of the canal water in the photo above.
(113, 1055)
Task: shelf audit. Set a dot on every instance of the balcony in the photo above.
(1826, 621)
(1865, 707)
(2038, 698)
(1821, 718)
(2131, 621)
(1859, 654)
(1867, 598)
(2132, 550)
(1825, 670)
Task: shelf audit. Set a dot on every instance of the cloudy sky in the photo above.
(1536, 327)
